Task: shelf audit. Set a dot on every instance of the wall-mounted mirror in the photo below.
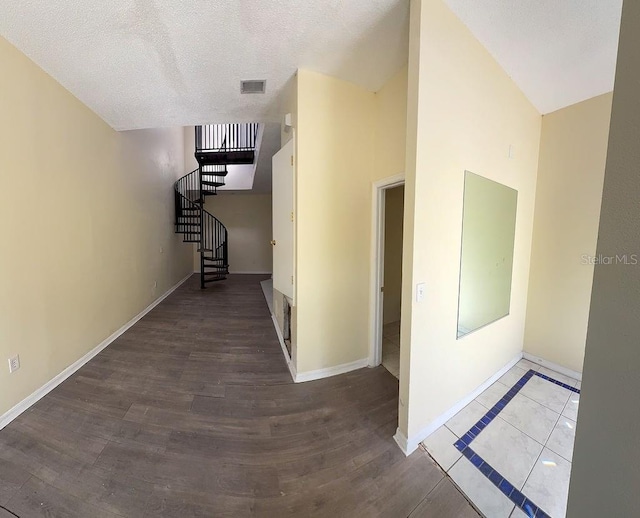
(486, 263)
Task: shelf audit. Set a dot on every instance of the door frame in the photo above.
(376, 296)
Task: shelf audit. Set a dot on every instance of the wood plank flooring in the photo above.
(192, 413)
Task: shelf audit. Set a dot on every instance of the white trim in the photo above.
(401, 441)
(292, 369)
(553, 366)
(301, 377)
(377, 265)
(411, 444)
(14, 412)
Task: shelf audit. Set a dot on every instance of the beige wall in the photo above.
(394, 215)
(248, 221)
(573, 151)
(605, 474)
(190, 162)
(465, 112)
(335, 141)
(86, 216)
(391, 127)
(339, 128)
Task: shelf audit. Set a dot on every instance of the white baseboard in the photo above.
(409, 445)
(401, 440)
(317, 374)
(14, 412)
(553, 366)
(331, 371)
(292, 368)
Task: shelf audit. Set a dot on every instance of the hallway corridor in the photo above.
(192, 412)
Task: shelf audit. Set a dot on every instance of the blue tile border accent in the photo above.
(563, 385)
(507, 489)
(464, 446)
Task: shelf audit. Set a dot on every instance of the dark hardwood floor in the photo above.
(192, 412)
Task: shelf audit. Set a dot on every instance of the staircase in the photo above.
(216, 146)
(199, 226)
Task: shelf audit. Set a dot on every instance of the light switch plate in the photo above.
(14, 364)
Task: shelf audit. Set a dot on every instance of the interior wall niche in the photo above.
(286, 324)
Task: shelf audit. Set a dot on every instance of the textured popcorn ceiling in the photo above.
(151, 63)
(559, 52)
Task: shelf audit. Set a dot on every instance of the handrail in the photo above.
(196, 224)
(226, 137)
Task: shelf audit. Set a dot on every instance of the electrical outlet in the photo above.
(14, 364)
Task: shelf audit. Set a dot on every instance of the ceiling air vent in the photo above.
(253, 86)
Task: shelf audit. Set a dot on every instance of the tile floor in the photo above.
(391, 348)
(527, 442)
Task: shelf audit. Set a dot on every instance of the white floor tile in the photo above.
(508, 450)
(548, 484)
(395, 339)
(527, 365)
(492, 395)
(389, 346)
(391, 329)
(513, 443)
(532, 418)
(479, 489)
(391, 357)
(462, 422)
(559, 377)
(572, 406)
(440, 445)
(546, 393)
(393, 368)
(562, 438)
(512, 376)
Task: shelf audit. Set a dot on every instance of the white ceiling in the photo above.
(158, 63)
(559, 52)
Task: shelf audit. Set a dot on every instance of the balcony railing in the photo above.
(226, 137)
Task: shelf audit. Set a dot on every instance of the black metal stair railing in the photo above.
(212, 177)
(226, 137)
(201, 227)
(226, 143)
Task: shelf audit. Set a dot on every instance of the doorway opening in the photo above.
(392, 278)
(388, 216)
